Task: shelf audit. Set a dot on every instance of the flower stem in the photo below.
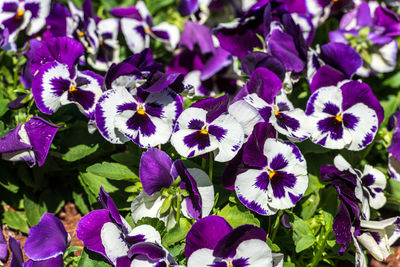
(318, 255)
(178, 206)
(211, 165)
(203, 163)
(276, 225)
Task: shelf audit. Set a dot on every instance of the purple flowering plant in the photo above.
(199, 132)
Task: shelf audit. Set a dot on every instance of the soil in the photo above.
(69, 217)
(393, 260)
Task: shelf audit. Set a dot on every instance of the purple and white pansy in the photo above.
(57, 82)
(344, 116)
(377, 237)
(165, 183)
(23, 15)
(145, 118)
(105, 232)
(29, 142)
(45, 246)
(370, 185)
(137, 26)
(394, 149)
(370, 29)
(212, 242)
(276, 176)
(207, 127)
(263, 100)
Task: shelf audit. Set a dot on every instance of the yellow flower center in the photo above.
(229, 263)
(276, 110)
(147, 30)
(20, 14)
(204, 131)
(81, 34)
(339, 118)
(101, 42)
(72, 89)
(271, 173)
(140, 110)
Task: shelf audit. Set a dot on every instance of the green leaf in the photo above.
(302, 235)
(92, 259)
(79, 152)
(274, 247)
(3, 106)
(94, 182)
(309, 206)
(314, 184)
(9, 185)
(16, 220)
(177, 233)
(113, 171)
(155, 6)
(166, 204)
(34, 210)
(238, 215)
(156, 223)
(80, 203)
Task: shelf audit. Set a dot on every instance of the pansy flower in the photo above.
(45, 246)
(58, 83)
(105, 232)
(371, 182)
(274, 176)
(378, 236)
(344, 116)
(145, 118)
(29, 142)
(207, 127)
(211, 241)
(370, 29)
(206, 67)
(137, 26)
(263, 100)
(346, 222)
(19, 15)
(170, 182)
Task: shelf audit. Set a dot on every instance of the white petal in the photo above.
(257, 253)
(206, 190)
(107, 109)
(112, 240)
(201, 258)
(377, 188)
(232, 140)
(370, 244)
(385, 59)
(133, 37)
(246, 115)
(394, 167)
(364, 131)
(149, 233)
(37, 23)
(173, 33)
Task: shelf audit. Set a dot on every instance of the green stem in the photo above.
(318, 255)
(203, 163)
(211, 166)
(276, 226)
(178, 206)
(392, 200)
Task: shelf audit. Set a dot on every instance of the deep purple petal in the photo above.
(280, 181)
(11, 142)
(331, 126)
(341, 57)
(3, 247)
(109, 204)
(206, 233)
(62, 49)
(154, 170)
(194, 201)
(326, 76)
(265, 84)
(214, 106)
(358, 92)
(41, 134)
(187, 7)
(151, 250)
(235, 167)
(226, 247)
(253, 152)
(47, 239)
(262, 60)
(89, 230)
(118, 70)
(197, 34)
(17, 259)
(342, 227)
(126, 12)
